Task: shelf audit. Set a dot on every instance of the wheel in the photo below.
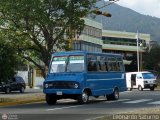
(114, 95)
(22, 90)
(51, 99)
(140, 88)
(83, 98)
(130, 89)
(7, 91)
(152, 88)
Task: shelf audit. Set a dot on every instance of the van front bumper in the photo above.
(150, 85)
(62, 91)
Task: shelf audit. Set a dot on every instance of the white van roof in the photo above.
(138, 72)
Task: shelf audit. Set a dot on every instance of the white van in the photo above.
(140, 80)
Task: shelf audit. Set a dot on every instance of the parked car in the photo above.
(15, 84)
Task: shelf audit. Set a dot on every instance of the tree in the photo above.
(152, 59)
(8, 60)
(37, 27)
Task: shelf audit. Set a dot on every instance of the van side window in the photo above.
(92, 63)
(101, 63)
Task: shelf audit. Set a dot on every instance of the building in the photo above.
(125, 43)
(90, 38)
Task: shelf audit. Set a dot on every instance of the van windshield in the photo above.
(67, 64)
(148, 76)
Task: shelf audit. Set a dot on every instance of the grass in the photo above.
(23, 99)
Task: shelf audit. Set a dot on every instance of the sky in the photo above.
(146, 7)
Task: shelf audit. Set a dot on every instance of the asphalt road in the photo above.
(96, 108)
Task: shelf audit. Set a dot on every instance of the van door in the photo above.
(133, 80)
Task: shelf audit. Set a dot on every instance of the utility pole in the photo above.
(137, 38)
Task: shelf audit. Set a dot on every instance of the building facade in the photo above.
(125, 43)
(90, 38)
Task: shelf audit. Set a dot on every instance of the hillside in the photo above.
(125, 19)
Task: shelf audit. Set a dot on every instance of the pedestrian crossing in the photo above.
(139, 101)
(123, 101)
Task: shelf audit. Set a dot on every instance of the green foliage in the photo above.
(152, 59)
(8, 60)
(37, 27)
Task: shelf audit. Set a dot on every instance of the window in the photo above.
(112, 65)
(75, 64)
(91, 63)
(120, 64)
(102, 66)
(58, 64)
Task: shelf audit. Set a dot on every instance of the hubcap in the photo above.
(84, 97)
(116, 94)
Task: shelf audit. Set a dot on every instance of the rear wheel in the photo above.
(51, 99)
(114, 95)
(83, 98)
(140, 88)
(7, 91)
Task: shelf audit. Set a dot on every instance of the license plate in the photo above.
(59, 92)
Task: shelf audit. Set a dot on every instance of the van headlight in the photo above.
(145, 82)
(46, 85)
(76, 85)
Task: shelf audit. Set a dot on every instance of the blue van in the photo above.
(79, 74)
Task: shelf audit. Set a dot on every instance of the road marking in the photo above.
(138, 101)
(155, 103)
(64, 108)
(121, 100)
(100, 117)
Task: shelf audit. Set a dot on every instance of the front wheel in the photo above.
(51, 99)
(22, 90)
(83, 98)
(140, 88)
(152, 88)
(7, 91)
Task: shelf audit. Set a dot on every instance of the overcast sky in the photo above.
(147, 7)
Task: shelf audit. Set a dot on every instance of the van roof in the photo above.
(139, 72)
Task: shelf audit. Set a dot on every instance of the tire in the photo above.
(22, 90)
(7, 91)
(83, 98)
(114, 95)
(140, 88)
(151, 88)
(51, 99)
(130, 89)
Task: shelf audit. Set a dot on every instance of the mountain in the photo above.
(125, 19)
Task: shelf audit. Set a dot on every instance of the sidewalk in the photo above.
(29, 96)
